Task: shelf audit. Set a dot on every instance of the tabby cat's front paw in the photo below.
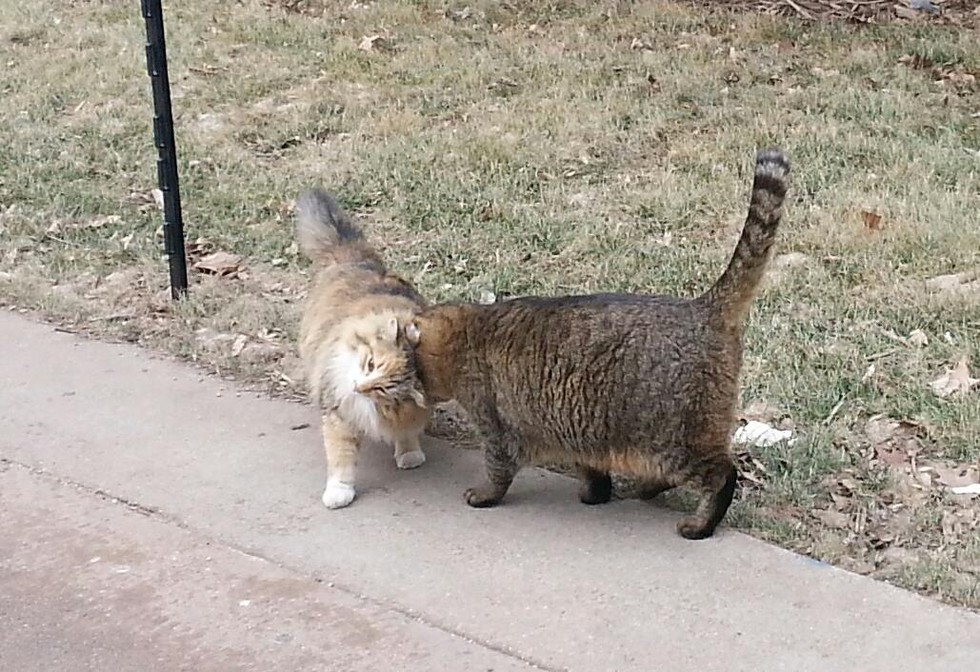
(411, 460)
(482, 497)
(338, 495)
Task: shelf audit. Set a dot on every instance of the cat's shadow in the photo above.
(449, 470)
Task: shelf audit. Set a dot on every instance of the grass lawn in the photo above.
(546, 147)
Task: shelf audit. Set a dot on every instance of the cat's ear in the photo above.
(412, 333)
(390, 332)
(418, 398)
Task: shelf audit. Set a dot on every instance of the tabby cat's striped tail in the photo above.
(731, 296)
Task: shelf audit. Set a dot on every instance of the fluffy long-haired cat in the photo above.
(636, 384)
(356, 350)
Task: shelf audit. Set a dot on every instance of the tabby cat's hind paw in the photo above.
(411, 460)
(338, 495)
(693, 527)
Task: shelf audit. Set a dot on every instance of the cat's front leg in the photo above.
(341, 445)
(408, 453)
(502, 465)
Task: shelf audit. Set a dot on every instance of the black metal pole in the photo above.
(163, 138)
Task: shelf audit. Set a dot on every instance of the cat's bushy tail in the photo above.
(327, 235)
(731, 296)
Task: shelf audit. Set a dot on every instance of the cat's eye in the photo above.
(370, 364)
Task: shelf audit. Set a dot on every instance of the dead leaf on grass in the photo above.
(752, 473)
(146, 199)
(955, 381)
(636, 44)
(222, 264)
(238, 345)
(99, 222)
(965, 281)
(196, 248)
(374, 42)
(933, 474)
(872, 220)
(869, 373)
(790, 260)
(895, 442)
(835, 519)
(917, 338)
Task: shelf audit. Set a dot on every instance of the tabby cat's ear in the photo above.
(412, 333)
(391, 330)
(419, 398)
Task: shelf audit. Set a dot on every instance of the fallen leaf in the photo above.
(956, 476)
(238, 345)
(790, 260)
(157, 196)
(956, 380)
(222, 264)
(957, 77)
(504, 87)
(917, 338)
(872, 220)
(212, 339)
(849, 485)
(639, 45)
(916, 61)
(833, 518)
(751, 471)
(949, 527)
(487, 297)
(869, 373)
(971, 489)
(895, 442)
(372, 42)
(98, 222)
(755, 433)
(966, 281)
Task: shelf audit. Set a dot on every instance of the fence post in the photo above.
(163, 138)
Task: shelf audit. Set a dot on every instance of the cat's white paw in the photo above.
(338, 495)
(416, 458)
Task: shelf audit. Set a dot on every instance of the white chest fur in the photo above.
(341, 374)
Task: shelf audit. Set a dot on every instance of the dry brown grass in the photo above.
(530, 147)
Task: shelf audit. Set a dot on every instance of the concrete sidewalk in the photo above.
(151, 519)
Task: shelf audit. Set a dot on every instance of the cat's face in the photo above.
(382, 363)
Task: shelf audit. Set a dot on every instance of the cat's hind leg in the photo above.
(715, 479)
(341, 445)
(502, 466)
(596, 487)
(651, 488)
(408, 453)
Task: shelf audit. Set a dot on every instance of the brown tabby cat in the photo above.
(355, 348)
(636, 384)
